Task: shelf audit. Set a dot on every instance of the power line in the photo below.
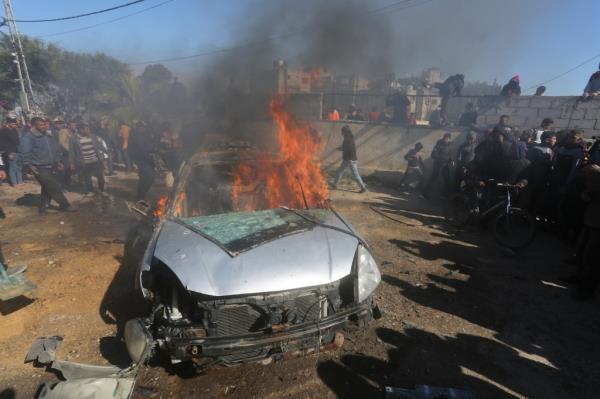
(107, 22)
(80, 15)
(392, 6)
(564, 73)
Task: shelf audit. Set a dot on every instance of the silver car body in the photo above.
(305, 259)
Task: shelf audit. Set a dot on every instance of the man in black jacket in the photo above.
(141, 147)
(442, 163)
(349, 159)
(451, 87)
(9, 147)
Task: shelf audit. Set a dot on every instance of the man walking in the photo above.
(349, 159)
(141, 146)
(41, 156)
(86, 157)
(442, 163)
(414, 166)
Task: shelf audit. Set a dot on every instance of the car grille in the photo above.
(237, 319)
(243, 318)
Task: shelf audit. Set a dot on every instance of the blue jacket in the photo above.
(39, 149)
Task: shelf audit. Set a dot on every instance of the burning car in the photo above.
(234, 276)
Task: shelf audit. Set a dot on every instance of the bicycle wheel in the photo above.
(458, 210)
(514, 229)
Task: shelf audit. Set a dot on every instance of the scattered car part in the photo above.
(14, 284)
(83, 380)
(89, 388)
(43, 350)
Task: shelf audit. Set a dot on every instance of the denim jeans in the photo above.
(354, 168)
(15, 172)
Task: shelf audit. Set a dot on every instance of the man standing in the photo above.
(124, 131)
(505, 128)
(141, 146)
(64, 137)
(592, 89)
(9, 147)
(469, 117)
(349, 159)
(86, 157)
(442, 163)
(546, 126)
(414, 165)
(451, 87)
(512, 88)
(401, 105)
(464, 156)
(42, 156)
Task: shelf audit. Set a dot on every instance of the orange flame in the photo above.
(161, 207)
(293, 178)
(179, 204)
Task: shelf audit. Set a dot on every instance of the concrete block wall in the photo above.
(528, 112)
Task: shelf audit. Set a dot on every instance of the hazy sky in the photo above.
(484, 39)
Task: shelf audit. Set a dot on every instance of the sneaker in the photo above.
(363, 190)
(67, 208)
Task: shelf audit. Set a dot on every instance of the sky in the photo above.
(484, 39)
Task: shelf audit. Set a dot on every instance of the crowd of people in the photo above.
(69, 155)
(558, 173)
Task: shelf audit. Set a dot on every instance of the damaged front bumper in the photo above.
(278, 342)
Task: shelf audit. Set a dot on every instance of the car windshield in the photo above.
(238, 213)
(242, 187)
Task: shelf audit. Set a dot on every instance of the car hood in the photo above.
(305, 258)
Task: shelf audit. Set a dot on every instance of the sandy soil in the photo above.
(458, 311)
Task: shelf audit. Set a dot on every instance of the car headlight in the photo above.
(367, 273)
(137, 340)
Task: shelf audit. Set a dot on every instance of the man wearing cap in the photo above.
(42, 156)
(85, 156)
(9, 147)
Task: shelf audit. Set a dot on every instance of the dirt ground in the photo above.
(458, 311)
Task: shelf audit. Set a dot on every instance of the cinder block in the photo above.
(583, 124)
(559, 102)
(520, 102)
(568, 112)
(531, 113)
(519, 121)
(560, 123)
(542, 102)
(491, 119)
(549, 113)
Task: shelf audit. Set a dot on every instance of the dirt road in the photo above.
(458, 311)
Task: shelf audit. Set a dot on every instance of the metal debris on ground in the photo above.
(427, 392)
(81, 380)
(43, 350)
(15, 284)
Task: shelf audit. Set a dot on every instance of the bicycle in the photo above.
(512, 227)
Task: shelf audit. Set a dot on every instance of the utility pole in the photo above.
(19, 55)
